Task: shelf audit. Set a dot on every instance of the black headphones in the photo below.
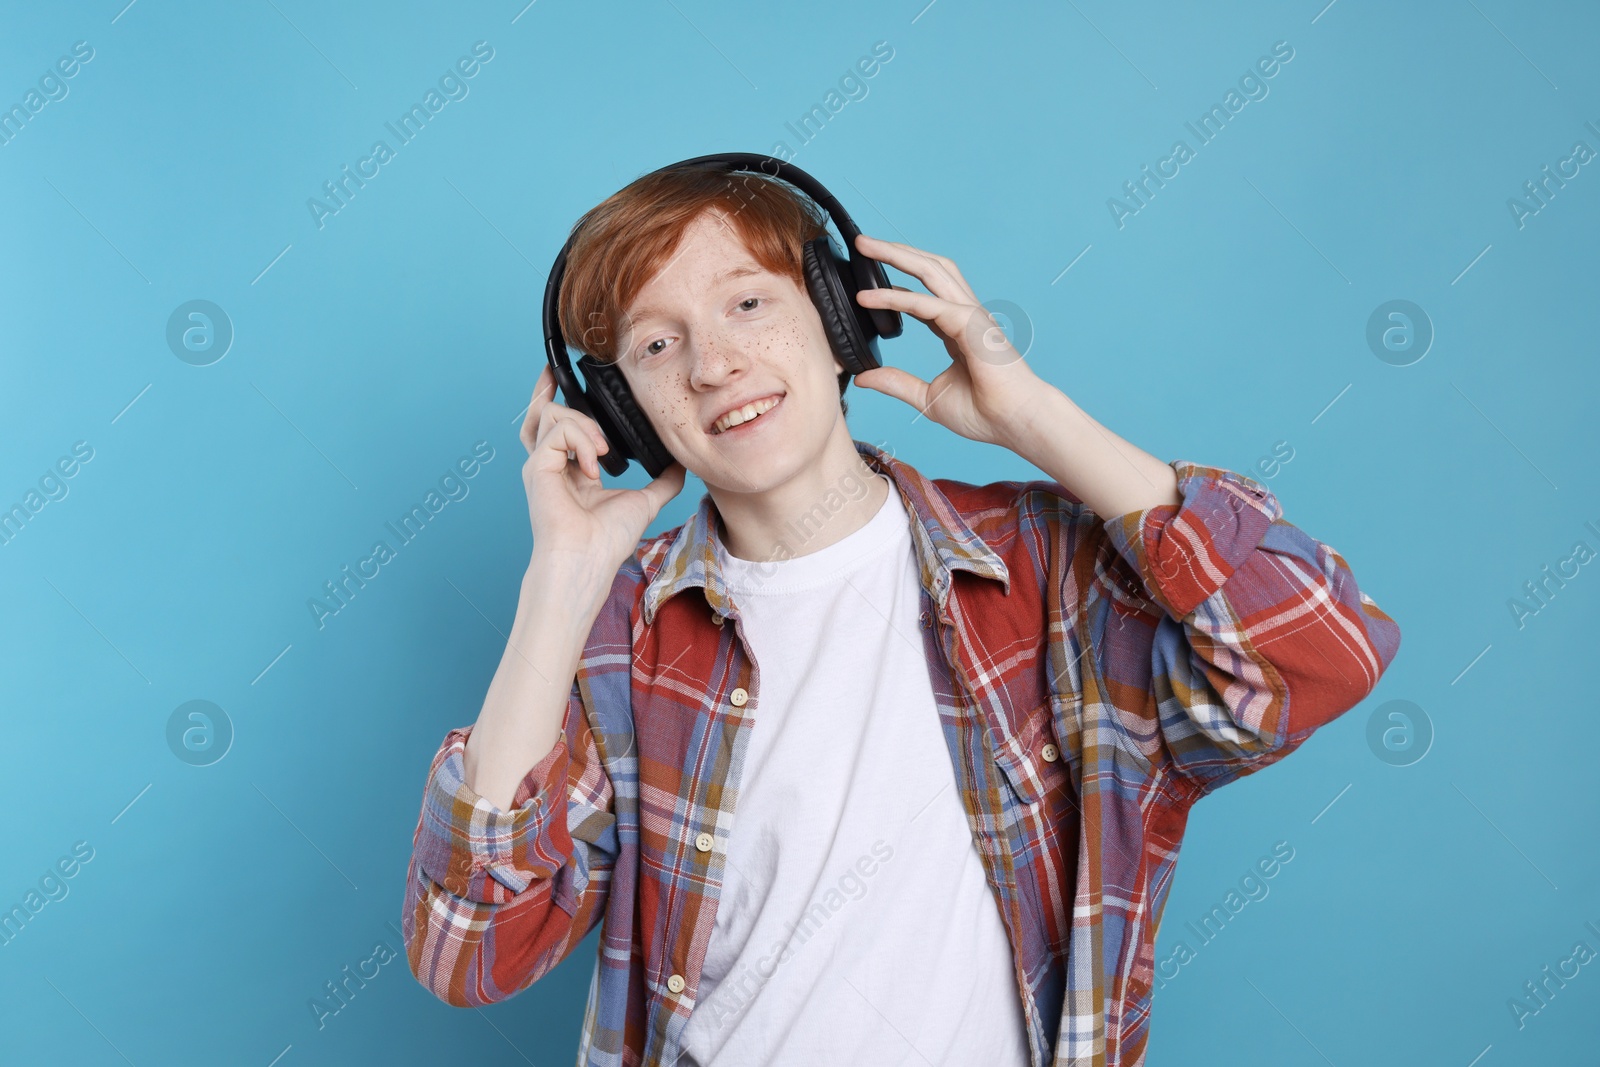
(832, 281)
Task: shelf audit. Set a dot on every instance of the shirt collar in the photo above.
(944, 543)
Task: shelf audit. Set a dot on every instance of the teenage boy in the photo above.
(854, 765)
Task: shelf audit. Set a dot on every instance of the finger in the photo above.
(938, 273)
(544, 390)
(939, 265)
(950, 318)
(557, 412)
(666, 485)
(900, 384)
(545, 420)
(553, 447)
(573, 443)
(562, 424)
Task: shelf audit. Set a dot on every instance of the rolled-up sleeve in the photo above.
(495, 899)
(476, 850)
(1254, 633)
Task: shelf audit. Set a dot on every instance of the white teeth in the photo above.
(744, 414)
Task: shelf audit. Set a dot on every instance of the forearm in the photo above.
(522, 713)
(1111, 476)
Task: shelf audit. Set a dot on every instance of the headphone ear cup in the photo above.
(626, 427)
(825, 274)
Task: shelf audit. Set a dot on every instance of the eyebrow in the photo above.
(716, 279)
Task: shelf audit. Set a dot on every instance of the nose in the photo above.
(716, 357)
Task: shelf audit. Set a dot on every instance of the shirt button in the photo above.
(704, 842)
(675, 983)
(717, 617)
(1050, 753)
(739, 696)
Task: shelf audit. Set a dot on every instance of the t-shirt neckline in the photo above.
(887, 527)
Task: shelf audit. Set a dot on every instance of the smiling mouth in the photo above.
(749, 413)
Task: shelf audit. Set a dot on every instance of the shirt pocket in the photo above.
(1031, 757)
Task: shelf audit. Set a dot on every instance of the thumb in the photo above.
(892, 381)
(666, 485)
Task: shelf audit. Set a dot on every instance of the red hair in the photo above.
(625, 241)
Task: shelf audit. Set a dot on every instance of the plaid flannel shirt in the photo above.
(1094, 677)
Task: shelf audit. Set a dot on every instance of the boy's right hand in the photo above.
(573, 515)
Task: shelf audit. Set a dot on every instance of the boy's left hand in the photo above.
(988, 387)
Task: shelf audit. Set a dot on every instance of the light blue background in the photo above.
(1223, 318)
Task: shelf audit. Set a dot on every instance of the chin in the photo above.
(764, 472)
(766, 468)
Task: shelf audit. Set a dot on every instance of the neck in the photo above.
(824, 503)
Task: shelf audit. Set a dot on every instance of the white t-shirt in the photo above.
(855, 917)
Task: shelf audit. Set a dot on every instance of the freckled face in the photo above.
(715, 330)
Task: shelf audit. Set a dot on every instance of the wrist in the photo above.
(1042, 428)
(575, 577)
(1111, 476)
